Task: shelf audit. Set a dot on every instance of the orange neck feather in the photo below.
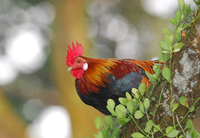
(96, 74)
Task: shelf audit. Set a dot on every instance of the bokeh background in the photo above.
(37, 93)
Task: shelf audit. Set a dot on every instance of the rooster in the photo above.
(98, 80)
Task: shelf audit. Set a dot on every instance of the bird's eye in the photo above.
(78, 61)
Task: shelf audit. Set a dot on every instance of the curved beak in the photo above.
(70, 68)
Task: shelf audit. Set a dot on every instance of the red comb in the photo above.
(73, 53)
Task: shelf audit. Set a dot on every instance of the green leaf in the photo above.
(156, 77)
(163, 58)
(149, 126)
(164, 51)
(146, 103)
(98, 122)
(175, 107)
(138, 114)
(156, 128)
(181, 136)
(178, 30)
(178, 46)
(130, 106)
(166, 73)
(141, 107)
(171, 39)
(194, 134)
(150, 76)
(115, 132)
(177, 15)
(173, 21)
(192, 108)
(166, 31)
(123, 101)
(167, 40)
(185, 26)
(189, 124)
(111, 110)
(176, 50)
(184, 101)
(105, 133)
(123, 121)
(173, 133)
(142, 88)
(156, 69)
(120, 111)
(99, 135)
(181, 4)
(182, 19)
(135, 92)
(137, 135)
(108, 121)
(111, 103)
(186, 9)
(110, 106)
(172, 103)
(128, 96)
(164, 45)
(178, 37)
(190, 130)
(168, 129)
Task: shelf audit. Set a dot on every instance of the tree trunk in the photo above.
(185, 70)
(11, 125)
(70, 26)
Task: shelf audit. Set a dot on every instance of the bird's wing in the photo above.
(128, 74)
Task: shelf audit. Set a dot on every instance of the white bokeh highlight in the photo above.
(163, 8)
(24, 47)
(26, 36)
(54, 122)
(8, 73)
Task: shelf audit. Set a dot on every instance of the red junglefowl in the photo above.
(98, 80)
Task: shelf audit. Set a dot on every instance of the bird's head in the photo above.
(75, 62)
